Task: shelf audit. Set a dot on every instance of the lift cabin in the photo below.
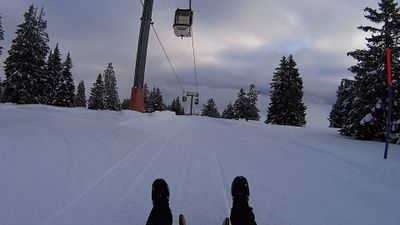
(183, 22)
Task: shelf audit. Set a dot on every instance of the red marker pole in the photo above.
(390, 101)
(389, 66)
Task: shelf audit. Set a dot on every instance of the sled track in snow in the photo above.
(183, 176)
(320, 151)
(124, 213)
(49, 220)
(222, 175)
(145, 170)
(66, 186)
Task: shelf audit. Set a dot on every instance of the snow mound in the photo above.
(165, 115)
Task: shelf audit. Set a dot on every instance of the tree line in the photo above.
(35, 74)
(154, 101)
(285, 108)
(245, 107)
(361, 106)
(104, 94)
(286, 105)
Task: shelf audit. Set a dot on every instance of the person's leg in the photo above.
(160, 213)
(241, 213)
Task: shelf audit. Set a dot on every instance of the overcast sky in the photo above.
(238, 42)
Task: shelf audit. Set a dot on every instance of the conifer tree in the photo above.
(54, 76)
(286, 106)
(172, 106)
(278, 92)
(96, 99)
(1, 91)
(245, 107)
(177, 107)
(111, 97)
(229, 112)
(210, 109)
(68, 86)
(25, 66)
(342, 106)
(125, 104)
(80, 100)
(367, 119)
(146, 94)
(252, 110)
(155, 101)
(1, 34)
(240, 105)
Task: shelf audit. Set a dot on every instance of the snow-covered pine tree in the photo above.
(146, 94)
(160, 106)
(96, 99)
(240, 105)
(125, 104)
(149, 107)
(179, 108)
(25, 65)
(210, 109)
(111, 97)
(176, 107)
(367, 119)
(1, 91)
(286, 106)
(53, 76)
(277, 103)
(296, 104)
(80, 100)
(340, 109)
(42, 52)
(155, 101)
(65, 88)
(69, 100)
(252, 110)
(1, 34)
(172, 107)
(229, 112)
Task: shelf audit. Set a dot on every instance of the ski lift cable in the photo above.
(165, 53)
(168, 58)
(194, 61)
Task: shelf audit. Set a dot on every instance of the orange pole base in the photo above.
(137, 102)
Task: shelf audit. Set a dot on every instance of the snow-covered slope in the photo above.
(80, 167)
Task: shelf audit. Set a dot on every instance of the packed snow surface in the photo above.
(80, 167)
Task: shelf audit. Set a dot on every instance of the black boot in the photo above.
(161, 213)
(241, 213)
